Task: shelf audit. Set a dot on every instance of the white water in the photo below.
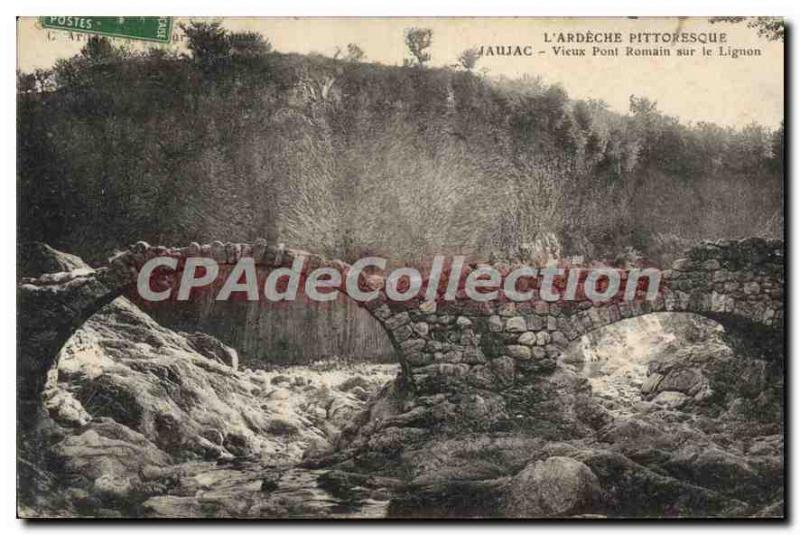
(615, 359)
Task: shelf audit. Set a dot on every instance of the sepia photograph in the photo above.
(405, 268)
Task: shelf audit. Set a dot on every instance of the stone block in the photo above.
(519, 351)
(516, 325)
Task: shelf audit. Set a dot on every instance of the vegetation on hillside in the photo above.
(235, 141)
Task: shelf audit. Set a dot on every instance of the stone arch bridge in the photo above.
(484, 345)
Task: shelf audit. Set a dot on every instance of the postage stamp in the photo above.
(156, 29)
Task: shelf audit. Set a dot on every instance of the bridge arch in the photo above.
(481, 344)
(53, 306)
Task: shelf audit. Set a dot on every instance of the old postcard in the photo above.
(407, 268)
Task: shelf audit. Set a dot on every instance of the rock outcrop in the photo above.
(35, 259)
(557, 486)
(211, 347)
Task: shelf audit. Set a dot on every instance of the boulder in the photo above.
(555, 487)
(35, 259)
(670, 399)
(356, 381)
(211, 347)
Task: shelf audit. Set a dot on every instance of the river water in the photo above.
(253, 490)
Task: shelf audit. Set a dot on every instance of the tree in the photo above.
(642, 106)
(770, 28)
(469, 58)
(249, 44)
(76, 71)
(39, 81)
(208, 42)
(418, 41)
(99, 50)
(777, 148)
(354, 53)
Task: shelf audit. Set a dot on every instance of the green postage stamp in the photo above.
(158, 29)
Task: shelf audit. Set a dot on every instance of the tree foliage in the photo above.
(770, 28)
(213, 48)
(354, 53)
(249, 44)
(208, 42)
(468, 59)
(418, 41)
(348, 158)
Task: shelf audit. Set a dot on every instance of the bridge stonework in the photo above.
(485, 345)
(488, 344)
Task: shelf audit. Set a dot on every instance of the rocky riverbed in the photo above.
(669, 415)
(663, 415)
(144, 421)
